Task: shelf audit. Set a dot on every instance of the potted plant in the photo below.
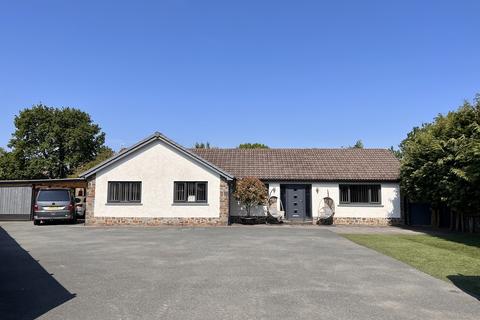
(251, 192)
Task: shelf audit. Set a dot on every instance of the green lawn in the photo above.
(454, 258)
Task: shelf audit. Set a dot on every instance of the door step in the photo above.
(298, 222)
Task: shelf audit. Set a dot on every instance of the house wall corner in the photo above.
(90, 201)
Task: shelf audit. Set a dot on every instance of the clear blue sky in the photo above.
(285, 73)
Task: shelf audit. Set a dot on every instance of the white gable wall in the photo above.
(157, 166)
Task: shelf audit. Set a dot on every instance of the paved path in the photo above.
(211, 273)
(380, 230)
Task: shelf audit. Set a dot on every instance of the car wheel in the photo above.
(36, 222)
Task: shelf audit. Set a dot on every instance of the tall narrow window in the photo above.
(360, 193)
(189, 191)
(124, 192)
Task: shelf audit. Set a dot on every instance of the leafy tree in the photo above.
(253, 146)
(396, 152)
(104, 154)
(201, 145)
(358, 145)
(250, 191)
(8, 165)
(441, 161)
(52, 142)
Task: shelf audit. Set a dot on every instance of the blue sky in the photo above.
(284, 73)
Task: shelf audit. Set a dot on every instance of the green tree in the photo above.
(8, 165)
(358, 145)
(396, 152)
(441, 161)
(52, 142)
(202, 145)
(104, 154)
(250, 191)
(253, 146)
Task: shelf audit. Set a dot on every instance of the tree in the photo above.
(253, 146)
(396, 152)
(8, 165)
(250, 191)
(104, 154)
(441, 162)
(52, 142)
(201, 145)
(357, 145)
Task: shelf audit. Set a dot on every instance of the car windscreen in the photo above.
(53, 195)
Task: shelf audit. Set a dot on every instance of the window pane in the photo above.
(179, 191)
(135, 191)
(375, 194)
(139, 191)
(201, 192)
(120, 191)
(191, 192)
(113, 191)
(131, 193)
(344, 194)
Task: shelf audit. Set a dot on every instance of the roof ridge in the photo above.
(267, 149)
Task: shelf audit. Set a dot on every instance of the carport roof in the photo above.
(39, 181)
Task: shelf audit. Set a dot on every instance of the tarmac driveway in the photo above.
(271, 272)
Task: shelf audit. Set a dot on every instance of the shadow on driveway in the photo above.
(26, 289)
(468, 284)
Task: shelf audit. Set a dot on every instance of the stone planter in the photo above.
(326, 221)
(248, 220)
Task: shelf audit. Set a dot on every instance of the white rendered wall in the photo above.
(157, 166)
(389, 207)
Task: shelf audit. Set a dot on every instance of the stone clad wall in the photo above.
(222, 220)
(90, 200)
(224, 201)
(368, 221)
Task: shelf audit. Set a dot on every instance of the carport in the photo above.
(16, 196)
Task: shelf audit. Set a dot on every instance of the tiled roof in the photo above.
(306, 164)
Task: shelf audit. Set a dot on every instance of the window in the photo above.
(190, 192)
(52, 195)
(360, 193)
(124, 192)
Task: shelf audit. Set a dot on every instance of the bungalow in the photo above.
(157, 181)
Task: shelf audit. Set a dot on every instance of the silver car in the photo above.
(54, 204)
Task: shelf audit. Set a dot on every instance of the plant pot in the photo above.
(326, 221)
(248, 220)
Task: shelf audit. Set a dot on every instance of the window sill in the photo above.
(375, 205)
(124, 204)
(204, 204)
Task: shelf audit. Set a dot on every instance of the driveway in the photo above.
(211, 273)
